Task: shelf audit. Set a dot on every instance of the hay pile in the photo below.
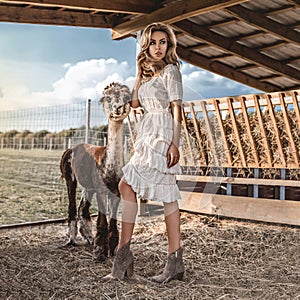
(225, 259)
(198, 150)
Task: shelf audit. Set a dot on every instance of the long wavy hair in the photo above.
(147, 66)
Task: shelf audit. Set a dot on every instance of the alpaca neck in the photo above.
(114, 147)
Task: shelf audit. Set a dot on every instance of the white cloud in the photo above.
(81, 81)
(201, 84)
(87, 79)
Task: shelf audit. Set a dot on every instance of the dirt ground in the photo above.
(224, 259)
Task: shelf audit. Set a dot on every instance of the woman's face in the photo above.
(158, 45)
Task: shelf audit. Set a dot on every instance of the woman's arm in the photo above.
(134, 97)
(173, 151)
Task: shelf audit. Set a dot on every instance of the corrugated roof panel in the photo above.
(234, 30)
(259, 41)
(283, 52)
(210, 51)
(264, 5)
(234, 61)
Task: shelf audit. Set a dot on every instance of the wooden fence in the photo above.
(240, 157)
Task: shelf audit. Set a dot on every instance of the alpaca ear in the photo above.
(101, 100)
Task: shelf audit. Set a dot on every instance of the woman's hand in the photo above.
(172, 155)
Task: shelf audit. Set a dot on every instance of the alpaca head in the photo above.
(115, 101)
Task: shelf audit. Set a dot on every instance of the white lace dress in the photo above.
(147, 171)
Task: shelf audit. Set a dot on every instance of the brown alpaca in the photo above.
(98, 170)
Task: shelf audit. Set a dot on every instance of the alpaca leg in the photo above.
(85, 223)
(101, 239)
(113, 233)
(72, 222)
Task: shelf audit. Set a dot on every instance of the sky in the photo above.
(50, 65)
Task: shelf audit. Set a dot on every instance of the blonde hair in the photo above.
(147, 66)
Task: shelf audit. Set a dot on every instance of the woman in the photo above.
(151, 171)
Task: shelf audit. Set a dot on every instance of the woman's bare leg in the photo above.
(172, 219)
(129, 212)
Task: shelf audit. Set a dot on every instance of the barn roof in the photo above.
(253, 42)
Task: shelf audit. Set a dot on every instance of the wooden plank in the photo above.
(277, 132)
(116, 6)
(238, 180)
(263, 131)
(221, 126)
(291, 98)
(249, 134)
(296, 107)
(275, 211)
(210, 135)
(43, 16)
(184, 124)
(236, 132)
(288, 129)
(198, 135)
(177, 10)
(217, 40)
(284, 32)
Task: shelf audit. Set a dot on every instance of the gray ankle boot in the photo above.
(174, 268)
(122, 265)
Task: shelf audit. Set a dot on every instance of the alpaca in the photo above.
(98, 170)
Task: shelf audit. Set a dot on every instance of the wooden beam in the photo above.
(267, 210)
(236, 132)
(262, 131)
(216, 67)
(248, 129)
(276, 133)
(223, 134)
(57, 17)
(198, 135)
(254, 18)
(174, 12)
(201, 32)
(210, 136)
(116, 6)
(288, 128)
(238, 180)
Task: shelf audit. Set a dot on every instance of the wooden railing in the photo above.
(241, 153)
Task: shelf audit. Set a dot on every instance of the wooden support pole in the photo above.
(184, 124)
(255, 186)
(212, 146)
(263, 131)
(236, 132)
(219, 118)
(198, 136)
(296, 107)
(288, 129)
(277, 132)
(248, 129)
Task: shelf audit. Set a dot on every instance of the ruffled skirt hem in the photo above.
(164, 189)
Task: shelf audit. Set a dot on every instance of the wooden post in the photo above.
(249, 134)
(199, 139)
(282, 188)
(229, 185)
(225, 142)
(263, 131)
(236, 132)
(277, 132)
(296, 107)
(255, 186)
(192, 161)
(211, 141)
(288, 129)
